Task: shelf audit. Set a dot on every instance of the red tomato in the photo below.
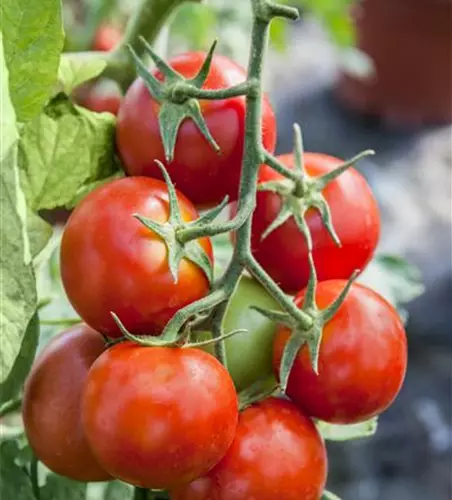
(283, 253)
(277, 453)
(106, 38)
(51, 404)
(362, 363)
(103, 96)
(159, 416)
(111, 262)
(197, 170)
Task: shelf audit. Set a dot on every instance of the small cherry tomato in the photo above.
(51, 404)
(111, 262)
(159, 416)
(102, 96)
(355, 215)
(277, 453)
(362, 362)
(106, 38)
(205, 176)
(249, 354)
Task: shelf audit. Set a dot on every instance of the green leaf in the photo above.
(394, 278)
(77, 69)
(60, 488)
(17, 281)
(117, 490)
(14, 480)
(13, 383)
(33, 39)
(333, 432)
(64, 149)
(39, 233)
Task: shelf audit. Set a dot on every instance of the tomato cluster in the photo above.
(168, 416)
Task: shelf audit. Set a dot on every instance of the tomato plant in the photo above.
(362, 362)
(143, 392)
(249, 355)
(355, 216)
(126, 262)
(52, 400)
(158, 416)
(139, 140)
(271, 436)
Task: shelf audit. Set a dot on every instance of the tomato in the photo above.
(362, 363)
(249, 354)
(159, 416)
(277, 453)
(102, 96)
(284, 254)
(51, 404)
(106, 38)
(111, 262)
(139, 143)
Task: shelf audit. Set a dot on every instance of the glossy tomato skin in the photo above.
(362, 363)
(52, 401)
(356, 219)
(203, 175)
(249, 354)
(106, 38)
(277, 453)
(159, 416)
(112, 262)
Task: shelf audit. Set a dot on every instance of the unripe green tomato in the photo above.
(249, 354)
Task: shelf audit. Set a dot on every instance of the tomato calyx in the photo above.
(300, 192)
(258, 391)
(311, 336)
(172, 94)
(177, 248)
(182, 340)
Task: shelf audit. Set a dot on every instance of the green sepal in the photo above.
(215, 340)
(175, 106)
(144, 340)
(171, 117)
(167, 231)
(304, 193)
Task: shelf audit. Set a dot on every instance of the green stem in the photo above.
(34, 477)
(285, 301)
(238, 90)
(146, 22)
(10, 406)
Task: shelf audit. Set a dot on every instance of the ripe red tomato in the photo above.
(111, 262)
(106, 38)
(283, 253)
(362, 363)
(159, 416)
(277, 453)
(102, 96)
(197, 170)
(52, 400)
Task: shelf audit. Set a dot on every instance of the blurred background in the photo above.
(355, 75)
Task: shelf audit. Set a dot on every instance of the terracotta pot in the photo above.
(410, 43)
